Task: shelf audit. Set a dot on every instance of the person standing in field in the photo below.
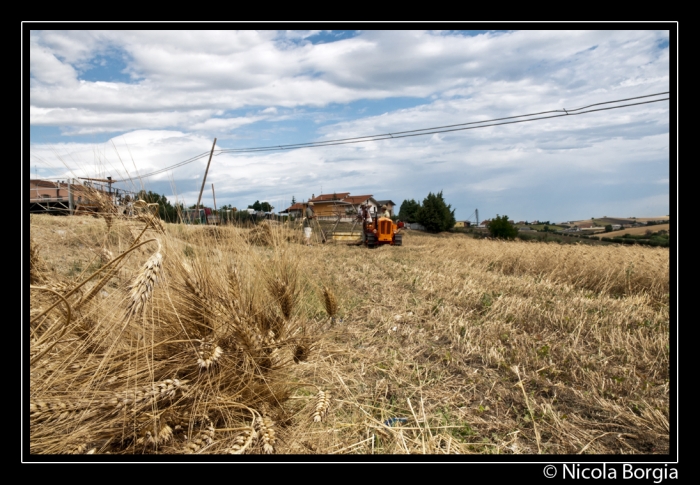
(366, 217)
(309, 216)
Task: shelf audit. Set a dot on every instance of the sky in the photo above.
(125, 104)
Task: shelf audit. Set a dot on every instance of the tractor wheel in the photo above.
(371, 241)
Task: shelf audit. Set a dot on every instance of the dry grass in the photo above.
(445, 345)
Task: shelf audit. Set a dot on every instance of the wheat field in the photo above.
(152, 338)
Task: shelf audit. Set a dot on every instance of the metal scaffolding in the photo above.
(72, 196)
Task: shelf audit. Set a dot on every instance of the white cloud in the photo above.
(47, 70)
(228, 70)
(190, 86)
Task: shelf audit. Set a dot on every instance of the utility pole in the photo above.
(70, 196)
(205, 177)
(214, 196)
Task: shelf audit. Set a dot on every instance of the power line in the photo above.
(398, 134)
(424, 131)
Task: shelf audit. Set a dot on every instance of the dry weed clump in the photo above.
(448, 345)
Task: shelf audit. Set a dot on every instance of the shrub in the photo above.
(409, 211)
(435, 215)
(500, 227)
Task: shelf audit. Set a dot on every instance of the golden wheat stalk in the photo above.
(36, 264)
(106, 208)
(156, 435)
(59, 286)
(266, 435)
(152, 221)
(249, 337)
(204, 438)
(142, 288)
(242, 442)
(166, 389)
(283, 294)
(208, 354)
(330, 302)
(56, 410)
(323, 401)
(234, 287)
(79, 450)
(211, 308)
(106, 255)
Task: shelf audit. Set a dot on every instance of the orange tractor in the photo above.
(381, 230)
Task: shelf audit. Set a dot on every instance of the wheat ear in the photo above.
(142, 288)
(266, 434)
(204, 438)
(242, 442)
(330, 302)
(147, 395)
(208, 354)
(323, 401)
(282, 292)
(234, 287)
(36, 264)
(156, 435)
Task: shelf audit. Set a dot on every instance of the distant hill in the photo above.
(602, 221)
(638, 230)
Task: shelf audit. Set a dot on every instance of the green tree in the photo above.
(294, 201)
(435, 215)
(608, 228)
(409, 210)
(257, 206)
(501, 227)
(166, 210)
(265, 207)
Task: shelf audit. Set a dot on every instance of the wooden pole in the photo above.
(205, 177)
(214, 195)
(70, 197)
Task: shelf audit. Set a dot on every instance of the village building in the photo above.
(336, 206)
(389, 205)
(295, 210)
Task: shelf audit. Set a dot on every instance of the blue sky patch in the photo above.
(53, 134)
(108, 67)
(326, 36)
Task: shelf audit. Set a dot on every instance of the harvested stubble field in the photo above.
(225, 340)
